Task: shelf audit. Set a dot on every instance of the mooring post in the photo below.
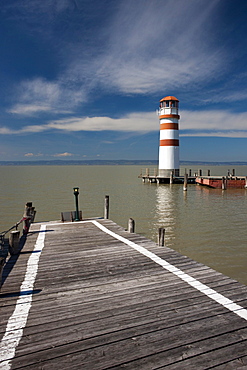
(171, 177)
(185, 181)
(76, 194)
(106, 210)
(131, 225)
(223, 183)
(208, 172)
(2, 263)
(233, 172)
(245, 181)
(161, 237)
(14, 239)
(190, 173)
(200, 172)
(27, 217)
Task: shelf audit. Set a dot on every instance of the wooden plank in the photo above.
(104, 305)
(125, 346)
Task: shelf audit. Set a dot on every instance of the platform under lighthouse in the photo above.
(169, 137)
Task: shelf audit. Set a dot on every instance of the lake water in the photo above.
(208, 225)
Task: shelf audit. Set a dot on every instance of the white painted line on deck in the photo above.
(217, 297)
(18, 320)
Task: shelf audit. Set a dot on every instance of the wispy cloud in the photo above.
(213, 120)
(132, 122)
(142, 47)
(28, 110)
(192, 123)
(155, 45)
(39, 96)
(229, 134)
(33, 155)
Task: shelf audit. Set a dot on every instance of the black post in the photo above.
(106, 210)
(76, 193)
(161, 237)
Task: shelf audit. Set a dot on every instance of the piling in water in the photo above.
(106, 210)
(131, 225)
(161, 237)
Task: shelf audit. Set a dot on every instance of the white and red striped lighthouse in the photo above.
(169, 137)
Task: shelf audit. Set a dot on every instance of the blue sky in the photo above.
(82, 79)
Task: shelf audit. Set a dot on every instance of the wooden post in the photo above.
(161, 237)
(185, 181)
(190, 173)
(208, 172)
(233, 172)
(106, 211)
(131, 225)
(2, 263)
(171, 177)
(14, 239)
(32, 214)
(200, 172)
(28, 216)
(224, 183)
(245, 181)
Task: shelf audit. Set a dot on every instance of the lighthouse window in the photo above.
(167, 104)
(173, 103)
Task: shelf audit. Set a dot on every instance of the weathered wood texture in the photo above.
(99, 304)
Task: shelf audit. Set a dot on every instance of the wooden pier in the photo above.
(219, 182)
(225, 182)
(90, 295)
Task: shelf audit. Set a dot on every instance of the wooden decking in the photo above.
(106, 299)
(219, 182)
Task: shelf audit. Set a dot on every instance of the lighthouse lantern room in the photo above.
(169, 137)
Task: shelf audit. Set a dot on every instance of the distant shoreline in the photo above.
(119, 162)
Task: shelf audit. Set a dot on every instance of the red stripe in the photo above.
(169, 142)
(169, 126)
(169, 116)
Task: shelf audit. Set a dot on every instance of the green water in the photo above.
(208, 225)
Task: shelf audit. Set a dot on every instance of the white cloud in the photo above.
(229, 134)
(144, 47)
(66, 154)
(133, 122)
(6, 131)
(26, 109)
(154, 45)
(39, 95)
(213, 120)
(192, 123)
(33, 155)
(28, 155)
(107, 142)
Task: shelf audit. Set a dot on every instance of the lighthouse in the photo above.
(169, 137)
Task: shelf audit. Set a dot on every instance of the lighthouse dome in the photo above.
(169, 98)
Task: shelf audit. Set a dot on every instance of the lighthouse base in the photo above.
(167, 172)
